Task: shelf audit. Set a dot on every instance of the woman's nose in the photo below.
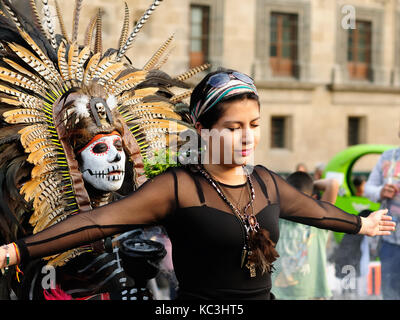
(247, 136)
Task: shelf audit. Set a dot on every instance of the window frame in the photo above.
(262, 68)
(359, 70)
(197, 58)
(279, 63)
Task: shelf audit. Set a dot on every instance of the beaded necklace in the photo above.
(249, 221)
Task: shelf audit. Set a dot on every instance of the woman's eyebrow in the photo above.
(233, 121)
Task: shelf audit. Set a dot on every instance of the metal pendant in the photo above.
(244, 257)
(252, 268)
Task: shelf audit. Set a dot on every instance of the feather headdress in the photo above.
(51, 91)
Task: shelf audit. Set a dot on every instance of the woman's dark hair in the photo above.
(208, 119)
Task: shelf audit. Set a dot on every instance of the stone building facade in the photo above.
(336, 86)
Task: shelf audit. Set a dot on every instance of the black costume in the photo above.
(207, 238)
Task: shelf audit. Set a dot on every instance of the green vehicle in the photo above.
(340, 167)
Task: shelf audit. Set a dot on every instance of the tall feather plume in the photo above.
(98, 45)
(160, 63)
(75, 23)
(36, 18)
(61, 22)
(156, 56)
(137, 28)
(89, 31)
(190, 73)
(49, 24)
(125, 28)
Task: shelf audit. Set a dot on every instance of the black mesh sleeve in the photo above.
(299, 207)
(151, 202)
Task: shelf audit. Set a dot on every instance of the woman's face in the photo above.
(233, 138)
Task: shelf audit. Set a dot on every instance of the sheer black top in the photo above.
(207, 238)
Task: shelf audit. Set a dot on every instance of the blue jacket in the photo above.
(387, 170)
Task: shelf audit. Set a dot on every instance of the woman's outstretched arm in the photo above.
(150, 203)
(297, 206)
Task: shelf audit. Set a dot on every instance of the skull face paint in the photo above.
(103, 162)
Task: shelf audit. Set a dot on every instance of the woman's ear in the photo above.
(198, 127)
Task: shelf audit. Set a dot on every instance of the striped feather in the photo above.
(34, 62)
(36, 18)
(42, 154)
(180, 97)
(47, 166)
(125, 28)
(156, 56)
(190, 73)
(137, 28)
(75, 23)
(61, 22)
(20, 81)
(82, 58)
(28, 100)
(89, 31)
(91, 66)
(73, 54)
(98, 42)
(20, 69)
(48, 24)
(62, 63)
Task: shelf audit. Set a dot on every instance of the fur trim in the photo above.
(81, 106)
(112, 102)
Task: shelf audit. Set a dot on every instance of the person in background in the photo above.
(383, 186)
(301, 167)
(301, 269)
(353, 252)
(319, 169)
(359, 184)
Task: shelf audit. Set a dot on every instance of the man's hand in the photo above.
(389, 191)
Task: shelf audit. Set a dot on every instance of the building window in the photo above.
(283, 44)
(359, 51)
(199, 34)
(355, 130)
(280, 135)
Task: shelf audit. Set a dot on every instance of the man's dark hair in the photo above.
(301, 181)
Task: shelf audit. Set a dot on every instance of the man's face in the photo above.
(103, 162)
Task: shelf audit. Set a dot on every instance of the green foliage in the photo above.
(160, 162)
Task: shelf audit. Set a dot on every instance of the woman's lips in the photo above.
(245, 152)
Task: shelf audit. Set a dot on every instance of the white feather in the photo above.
(81, 104)
(112, 102)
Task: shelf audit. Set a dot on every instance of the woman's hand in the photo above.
(12, 256)
(378, 223)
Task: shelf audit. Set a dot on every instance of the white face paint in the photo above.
(103, 163)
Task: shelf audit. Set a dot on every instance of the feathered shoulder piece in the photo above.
(57, 94)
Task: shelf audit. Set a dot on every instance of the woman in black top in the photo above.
(221, 215)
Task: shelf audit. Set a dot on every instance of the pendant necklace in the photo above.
(249, 221)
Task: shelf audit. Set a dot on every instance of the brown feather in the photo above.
(98, 45)
(75, 23)
(61, 22)
(125, 28)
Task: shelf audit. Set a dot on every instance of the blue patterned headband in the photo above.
(223, 85)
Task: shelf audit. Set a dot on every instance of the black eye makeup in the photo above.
(100, 147)
(118, 144)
